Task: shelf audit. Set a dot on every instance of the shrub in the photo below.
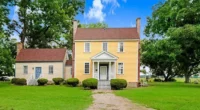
(42, 81)
(58, 81)
(172, 80)
(90, 83)
(118, 84)
(72, 82)
(157, 80)
(13, 80)
(20, 81)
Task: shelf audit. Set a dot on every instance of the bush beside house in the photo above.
(58, 81)
(72, 82)
(42, 81)
(90, 83)
(18, 81)
(118, 84)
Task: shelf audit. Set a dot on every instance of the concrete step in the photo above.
(105, 85)
(32, 82)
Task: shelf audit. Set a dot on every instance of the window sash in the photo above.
(87, 68)
(120, 68)
(105, 46)
(121, 47)
(25, 69)
(51, 69)
(87, 47)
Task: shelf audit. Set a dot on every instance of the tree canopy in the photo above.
(94, 25)
(44, 24)
(177, 23)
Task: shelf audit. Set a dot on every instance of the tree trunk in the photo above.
(187, 78)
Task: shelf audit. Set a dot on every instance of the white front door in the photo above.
(103, 73)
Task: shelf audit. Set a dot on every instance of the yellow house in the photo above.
(106, 53)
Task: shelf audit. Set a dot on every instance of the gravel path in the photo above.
(106, 100)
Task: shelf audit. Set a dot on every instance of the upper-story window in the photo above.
(87, 47)
(105, 46)
(50, 69)
(121, 47)
(25, 69)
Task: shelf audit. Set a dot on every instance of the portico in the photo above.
(104, 66)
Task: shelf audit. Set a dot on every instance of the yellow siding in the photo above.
(129, 57)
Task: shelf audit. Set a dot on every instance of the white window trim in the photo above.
(84, 47)
(118, 50)
(84, 68)
(107, 46)
(118, 68)
(23, 69)
(49, 69)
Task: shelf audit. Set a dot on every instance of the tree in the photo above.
(45, 23)
(94, 25)
(170, 20)
(160, 56)
(6, 59)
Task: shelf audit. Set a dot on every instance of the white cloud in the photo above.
(114, 5)
(97, 10)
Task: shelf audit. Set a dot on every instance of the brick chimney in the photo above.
(19, 47)
(138, 25)
(75, 26)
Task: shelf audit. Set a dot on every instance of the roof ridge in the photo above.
(112, 28)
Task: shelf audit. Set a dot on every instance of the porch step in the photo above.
(105, 85)
(32, 82)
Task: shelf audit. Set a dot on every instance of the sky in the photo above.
(115, 13)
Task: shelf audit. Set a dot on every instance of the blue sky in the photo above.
(116, 13)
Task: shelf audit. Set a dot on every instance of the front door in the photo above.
(103, 73)
(38, 71)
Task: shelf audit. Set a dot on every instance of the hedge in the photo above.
(13, 80)
(42, 81)
(19, 81)
(72, 82)
(58, 81)
(90, 83)
(118, 84)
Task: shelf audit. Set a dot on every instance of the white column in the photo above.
(93, 70)
(98, 70)
(110, 73)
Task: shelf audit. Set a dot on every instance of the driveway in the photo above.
(106, 100)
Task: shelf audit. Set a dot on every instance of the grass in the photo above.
(49, 97)
(165, 96)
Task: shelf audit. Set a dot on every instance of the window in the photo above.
(50, 69)
(120, 68)
(87, 47)
(25, 69)
(105, 46)
(120, 47)
(87, 68)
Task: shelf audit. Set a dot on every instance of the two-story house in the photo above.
(106, 53)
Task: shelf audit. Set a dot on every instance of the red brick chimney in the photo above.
(138, 25)
(19, 47)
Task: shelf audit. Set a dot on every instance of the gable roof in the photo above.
(37, 55)
(106, 33)
(104, 56)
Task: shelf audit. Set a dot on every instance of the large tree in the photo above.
(160, 56)
(46, 23)
(170, 19)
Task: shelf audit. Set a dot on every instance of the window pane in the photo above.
(25, 69)
(87, 47)
(121, 47)
(105, 46)
(120, 68)
(87, 67)
(51, 69)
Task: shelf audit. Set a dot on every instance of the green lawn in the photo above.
(165, 96)
(49, 97)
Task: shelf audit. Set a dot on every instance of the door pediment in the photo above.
(104, 56)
